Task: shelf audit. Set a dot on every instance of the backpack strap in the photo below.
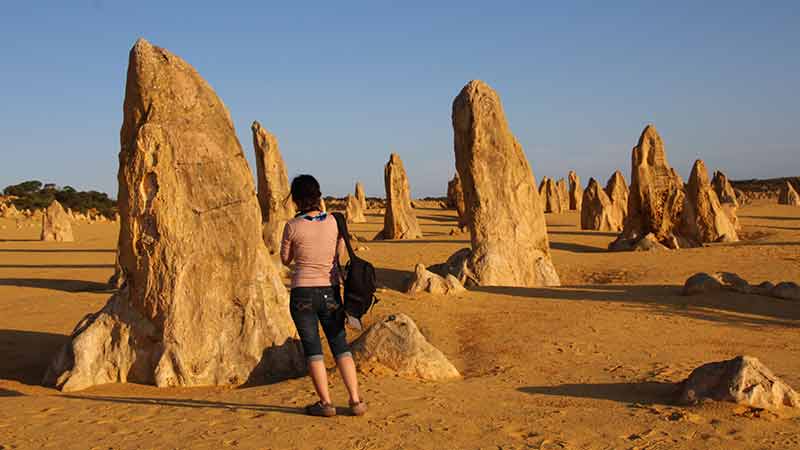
(341, 224)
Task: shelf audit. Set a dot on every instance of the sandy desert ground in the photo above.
(589, 365)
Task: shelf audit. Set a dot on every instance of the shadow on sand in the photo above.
(187, 403)
(643, 392)
(26, 354)
(576, 248)
(723, 306)
(56, 284)
(10, 393)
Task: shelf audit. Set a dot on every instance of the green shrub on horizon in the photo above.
(34, 195)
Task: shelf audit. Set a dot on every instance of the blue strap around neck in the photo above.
(318, 218)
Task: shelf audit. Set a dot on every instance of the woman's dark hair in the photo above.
(305, 193)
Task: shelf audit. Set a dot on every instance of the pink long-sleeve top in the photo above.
(314, 246)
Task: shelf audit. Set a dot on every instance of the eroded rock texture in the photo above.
(617, 191)
(723, 189)
(656, 198)
(743, 380)
(273, 187)
(504, 215)
(575, 191)
(399, 221)
(432, 283)
(563, 194)
(597, 211)
(360, 196)
(552, 196)
(395, 343)
(202, 303)
(704, 220)
(56, 224)
(455, 198)
(788, 195)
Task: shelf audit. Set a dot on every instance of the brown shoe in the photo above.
(358, 409)
(321, 410)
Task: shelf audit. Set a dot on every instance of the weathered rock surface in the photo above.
(203, 304)
(9, 211)
(427, 281)
(399, 221)
(273, 187)
(703, 218)
(617, 191)
(743, 380)
(656, 195)
(563, 194)
(455, 198)
(354, 210)
(788, 195)
(56, 224)
(597, 211)
(504, 214)
(575, 191)
(395, 343)
(703, 283)
(552, 196)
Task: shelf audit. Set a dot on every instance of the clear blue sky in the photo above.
(344, 83)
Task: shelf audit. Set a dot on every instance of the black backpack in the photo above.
(359, 279)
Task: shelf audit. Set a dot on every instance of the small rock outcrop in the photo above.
(788, 195)
(656, 198)
(723, 189)
(399, 221)
(703, 283)
(396, 345)
(617, 191)
(563, 194)
(56, 224)
(575, 191)
(427, 281)
(703, 218)
(273, 187)
(597, 211)
(552, 196)
(455, 198)
(498, 184)
(202, 303)
(354, 210)
(360, 196)
(743, 380)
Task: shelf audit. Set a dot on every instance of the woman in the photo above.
(312, 241)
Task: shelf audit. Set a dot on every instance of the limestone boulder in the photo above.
(723, 188)
(552, 196)
(617, 191)
(701, 283)
(400, 220)
(56, 224)
(354, 211)
(575, 191)
(202, 303)
(563, 194)
(427, 281)
(743, 380)
(703, 218)
(360, 196)
(787, 290)
(504, 212)
(656, 199)
(274, 197)
(788, 195)
(597, 211)
(455, 198)
(395, 344)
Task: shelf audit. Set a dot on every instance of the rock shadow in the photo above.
(642, 392)
(723, 306)
(576, 248)
(392, 278)
(10, 393)
(26, 354)
(58, 284)
(187, 403)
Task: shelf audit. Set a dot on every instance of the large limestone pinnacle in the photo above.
(617, 190)
(273, 187)
(575, 191)
(598, 211)
(399, 221)
(704, 219)
(203, 304)
(56, 224)
(656, 195)
(505, 217)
